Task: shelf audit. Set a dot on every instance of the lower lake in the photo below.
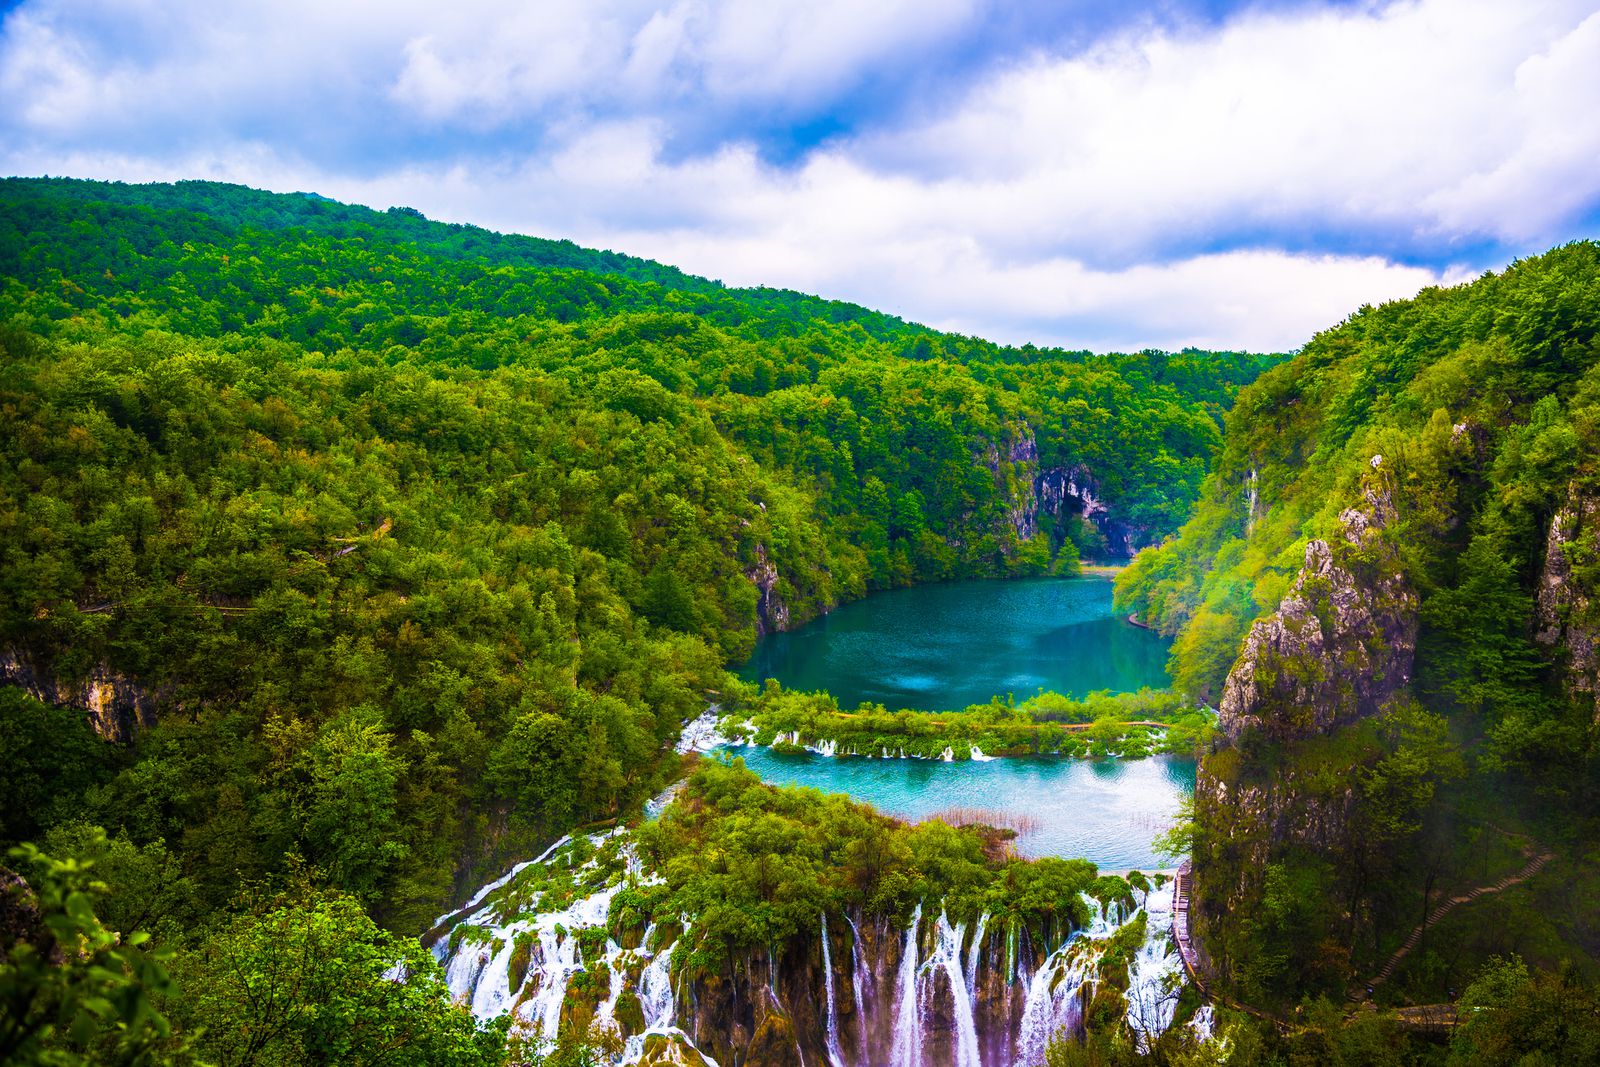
(942, 647)
(1108, 811)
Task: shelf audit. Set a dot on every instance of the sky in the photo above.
(1151, 173)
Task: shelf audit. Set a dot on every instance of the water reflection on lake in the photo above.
(1107, 811)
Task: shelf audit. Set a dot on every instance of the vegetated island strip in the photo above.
(1128, 725)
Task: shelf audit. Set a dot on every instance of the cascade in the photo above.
(835, 1057)
(1156, 976)
(946, 957)
(859, 978)
(907, 1047)
(972, 957)
(513, 921)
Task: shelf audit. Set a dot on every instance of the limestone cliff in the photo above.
(116, 705)
(1565, 618)
(1058, 493)
(1343, 640)
(772, 612)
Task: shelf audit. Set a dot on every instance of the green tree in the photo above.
(306, 977)
(72, 991)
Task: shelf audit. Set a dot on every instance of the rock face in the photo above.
(772, 614)
(115, 704)
(1342, 642)
(1565, 617)
(1059, 492)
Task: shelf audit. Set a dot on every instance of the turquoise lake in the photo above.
(943, 647)
(1108, 811)
(946, 646)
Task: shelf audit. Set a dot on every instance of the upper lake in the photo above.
(943, 647)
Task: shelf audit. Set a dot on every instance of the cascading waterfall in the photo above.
(946, 957)
(907, 1048)
(1156, 977)
(835, 1056)
(972, 957)
(519, 949)
(1054, 1004)
(859, 978)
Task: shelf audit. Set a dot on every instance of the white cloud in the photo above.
(1166, 187)
(1342, 120)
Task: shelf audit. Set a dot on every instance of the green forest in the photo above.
(350, 557)
(1445, 448)
(393, 549)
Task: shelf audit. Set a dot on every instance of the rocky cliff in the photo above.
(1565, 619)
(116, 705)
(772, 611)
(1057, 493)
(1342, 642)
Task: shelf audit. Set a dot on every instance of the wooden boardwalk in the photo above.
(1180, 922)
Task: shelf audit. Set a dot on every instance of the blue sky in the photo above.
(1087, 174)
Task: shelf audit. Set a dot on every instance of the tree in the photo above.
(72, 991)
(306, 977)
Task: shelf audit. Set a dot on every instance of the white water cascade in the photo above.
(907, 1048)
(835, 1056)
(859, 978)
(946, 957)
(526, 939)
(972, 957)
(1156, 977)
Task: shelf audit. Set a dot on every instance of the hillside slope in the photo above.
(1388, 587)
(402, 547)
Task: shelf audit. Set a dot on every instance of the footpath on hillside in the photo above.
(1418, 1017)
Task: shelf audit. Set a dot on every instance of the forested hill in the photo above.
(1389, 587)
(400, 548)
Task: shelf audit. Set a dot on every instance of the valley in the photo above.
(525, 654)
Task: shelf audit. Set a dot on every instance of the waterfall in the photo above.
(972, 958)
(657, 1000)
(1055, 993)
(1156, 977)
(835, 1056)
(978, 756)
(703, 734)
(1033, 994)
(859, 978)
(1053, 1003)
(946, 957)
(907, 1048)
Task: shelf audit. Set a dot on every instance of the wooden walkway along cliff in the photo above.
(1180, 921)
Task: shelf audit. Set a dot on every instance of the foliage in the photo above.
(754, 866)
(1480, 406)
(306, 977)
(52, 757)
(422, 541)
(71, 990)
(1100, 724)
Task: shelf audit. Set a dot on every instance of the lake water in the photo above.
(1107, 810)
(940, 647)
(943, 647)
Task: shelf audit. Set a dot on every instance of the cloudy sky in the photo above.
(1104, 175)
